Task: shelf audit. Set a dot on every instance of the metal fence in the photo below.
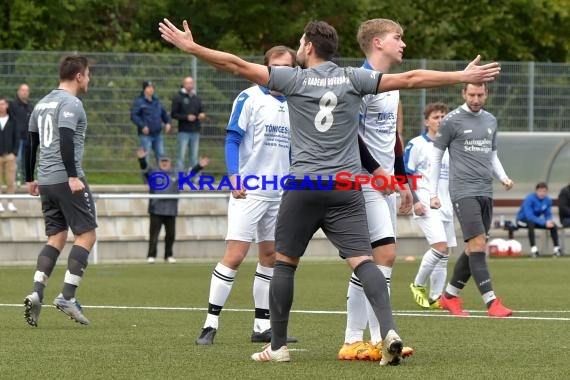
(528, 96)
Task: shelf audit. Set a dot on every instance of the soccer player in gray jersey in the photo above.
(58, 125)
(324, 101)
(469, 132)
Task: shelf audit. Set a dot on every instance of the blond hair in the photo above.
(377, 27)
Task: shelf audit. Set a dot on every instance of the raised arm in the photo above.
(473, 73)
(183, 40)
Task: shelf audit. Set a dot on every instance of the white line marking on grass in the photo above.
(404, 313)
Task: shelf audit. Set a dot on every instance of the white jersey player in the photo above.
(437, 225)
(257, 144)
(378, 129)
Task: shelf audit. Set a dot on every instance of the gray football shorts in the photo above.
(63, 210)
(341, 214)
(474, 215)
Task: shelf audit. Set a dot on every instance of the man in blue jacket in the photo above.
(149, 115)
(536, 212)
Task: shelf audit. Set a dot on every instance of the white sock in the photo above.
(429, 261)
(261, 297)
(355, 311)
(220, 288)
(534, 249)
(437, 278)
(454, 291)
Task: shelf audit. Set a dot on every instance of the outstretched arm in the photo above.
(183, 40)
(473, 73)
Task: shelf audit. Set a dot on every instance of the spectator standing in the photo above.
(187, 109)
(163, 211)
(20, 110)
(149, 116)
(9, 140)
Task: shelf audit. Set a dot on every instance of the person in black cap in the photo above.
(150, 117)
(163, 211)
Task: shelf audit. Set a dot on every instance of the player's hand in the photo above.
(406, 201)
(191, 117)
(167, 127)
(419, 209)
(549, 224)
(508, 183)
(204, 161)
(141, 152)
(145, 130)
(434, 203)
(475, 73)
(33, 188)
(182, 39)
(383, 181)
(76, 186)
(237, 193)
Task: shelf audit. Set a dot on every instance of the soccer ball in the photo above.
(498, 247)
(515, 248)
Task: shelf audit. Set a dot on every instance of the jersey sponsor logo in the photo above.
(385, 116)
(489, 131)
(68, 114)
(276, 129)
(477, 145)
(467, 131)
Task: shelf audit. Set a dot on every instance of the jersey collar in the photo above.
(426, 137)
(366, 65)
(281, 98)
(465, 108)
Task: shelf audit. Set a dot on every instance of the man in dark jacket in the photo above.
(8, 151)
(20, 110)
(149, 115)
(163, 211)
(187, 109)
(564, 206)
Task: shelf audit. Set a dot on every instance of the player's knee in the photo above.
(440, 247)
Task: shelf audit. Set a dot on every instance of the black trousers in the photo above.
(531, 227)
(156, 222)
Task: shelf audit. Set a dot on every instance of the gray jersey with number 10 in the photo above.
(58, 109)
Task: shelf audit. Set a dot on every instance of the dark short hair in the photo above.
(72, 65)
(482, 84)
(278, 51)
(541, 185)
(324, 38)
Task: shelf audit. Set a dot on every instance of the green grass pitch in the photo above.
(145, 318)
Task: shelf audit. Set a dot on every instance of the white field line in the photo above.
(404, 313)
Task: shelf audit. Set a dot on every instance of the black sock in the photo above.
(281, 290)
(45, 264)
(480, 272)
(76, 265)
(461, 274)
(376, 290)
